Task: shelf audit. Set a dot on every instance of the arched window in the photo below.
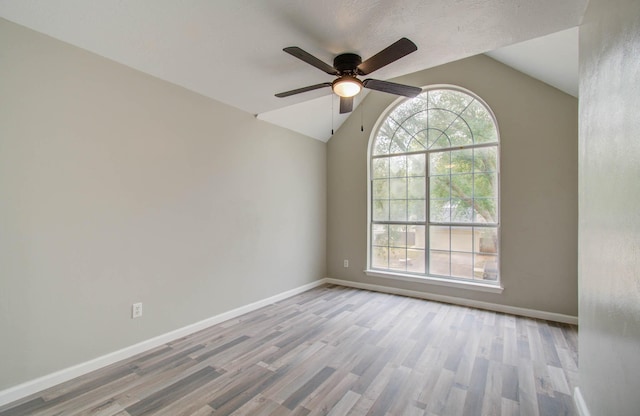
(434, 196)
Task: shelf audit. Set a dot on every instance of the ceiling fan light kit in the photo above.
(348, 66)
(347, 86)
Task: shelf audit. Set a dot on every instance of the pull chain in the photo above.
(332, 101)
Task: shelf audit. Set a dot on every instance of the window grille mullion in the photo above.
(427, 208)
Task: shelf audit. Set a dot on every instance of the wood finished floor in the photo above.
(338, 351)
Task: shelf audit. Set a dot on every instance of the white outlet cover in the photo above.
(136, 310)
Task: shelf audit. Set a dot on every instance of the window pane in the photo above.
(416, 210)
(440, 210)
(419, 142)
(417, 120)
(380, 209)
(380, 235)
(481, 123)
(439, 238)
(462, 161)
(400, 141)
(417, 187)
(397, 236)
(416, 236)
(485, 185)
(383, 138)
(486, 240)
(398, 188)
(380, 189)
(455, 101)
(398, 210)
(461, 239)
(485, 210)
(486, 159)
(398, 166)
(439, 187)
(461, 210)
(462, 186)
(381, 146)
(486, 267)
(416, 165)
(380, 257)
(398, 259)
(439, 263)
(440, 163)
(380, 168)
(462, 265)
(459, 133)
(438, 139)
(440, 119)
(415, 261)
(404, 110)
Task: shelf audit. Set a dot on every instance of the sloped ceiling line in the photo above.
(231, 50)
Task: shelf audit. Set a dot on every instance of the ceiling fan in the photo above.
(347, 66)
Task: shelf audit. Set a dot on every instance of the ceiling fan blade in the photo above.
(346, 104)
(392, 87)
(390, 54)
(310, 59)
(303, 89)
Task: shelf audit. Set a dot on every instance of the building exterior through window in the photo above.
(434, 188)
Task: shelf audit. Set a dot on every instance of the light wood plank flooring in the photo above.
(338, 351)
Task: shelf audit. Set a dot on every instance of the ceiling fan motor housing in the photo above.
(347, 63)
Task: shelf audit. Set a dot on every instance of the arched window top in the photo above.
(439, 118)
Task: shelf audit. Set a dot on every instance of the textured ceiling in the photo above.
(231, 50)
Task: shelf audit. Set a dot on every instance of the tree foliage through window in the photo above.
(434, 187)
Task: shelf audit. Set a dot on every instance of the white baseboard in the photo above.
(33, 386)
(513, 310)
(583, 410)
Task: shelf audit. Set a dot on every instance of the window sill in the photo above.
(458, 284)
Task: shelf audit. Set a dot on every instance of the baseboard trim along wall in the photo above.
(513, 310)
(34, 386)
(42, 383)
(581, 405)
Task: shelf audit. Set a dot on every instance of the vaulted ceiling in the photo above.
(231, 50)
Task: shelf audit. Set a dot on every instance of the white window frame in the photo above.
(461, 283)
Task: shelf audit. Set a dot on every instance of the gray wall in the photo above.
(116, 187)
(539, 171)
(609, 247)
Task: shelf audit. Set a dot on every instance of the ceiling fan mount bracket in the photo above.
(347, 63)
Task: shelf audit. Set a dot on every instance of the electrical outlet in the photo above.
(346, 263)
(136, 310)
